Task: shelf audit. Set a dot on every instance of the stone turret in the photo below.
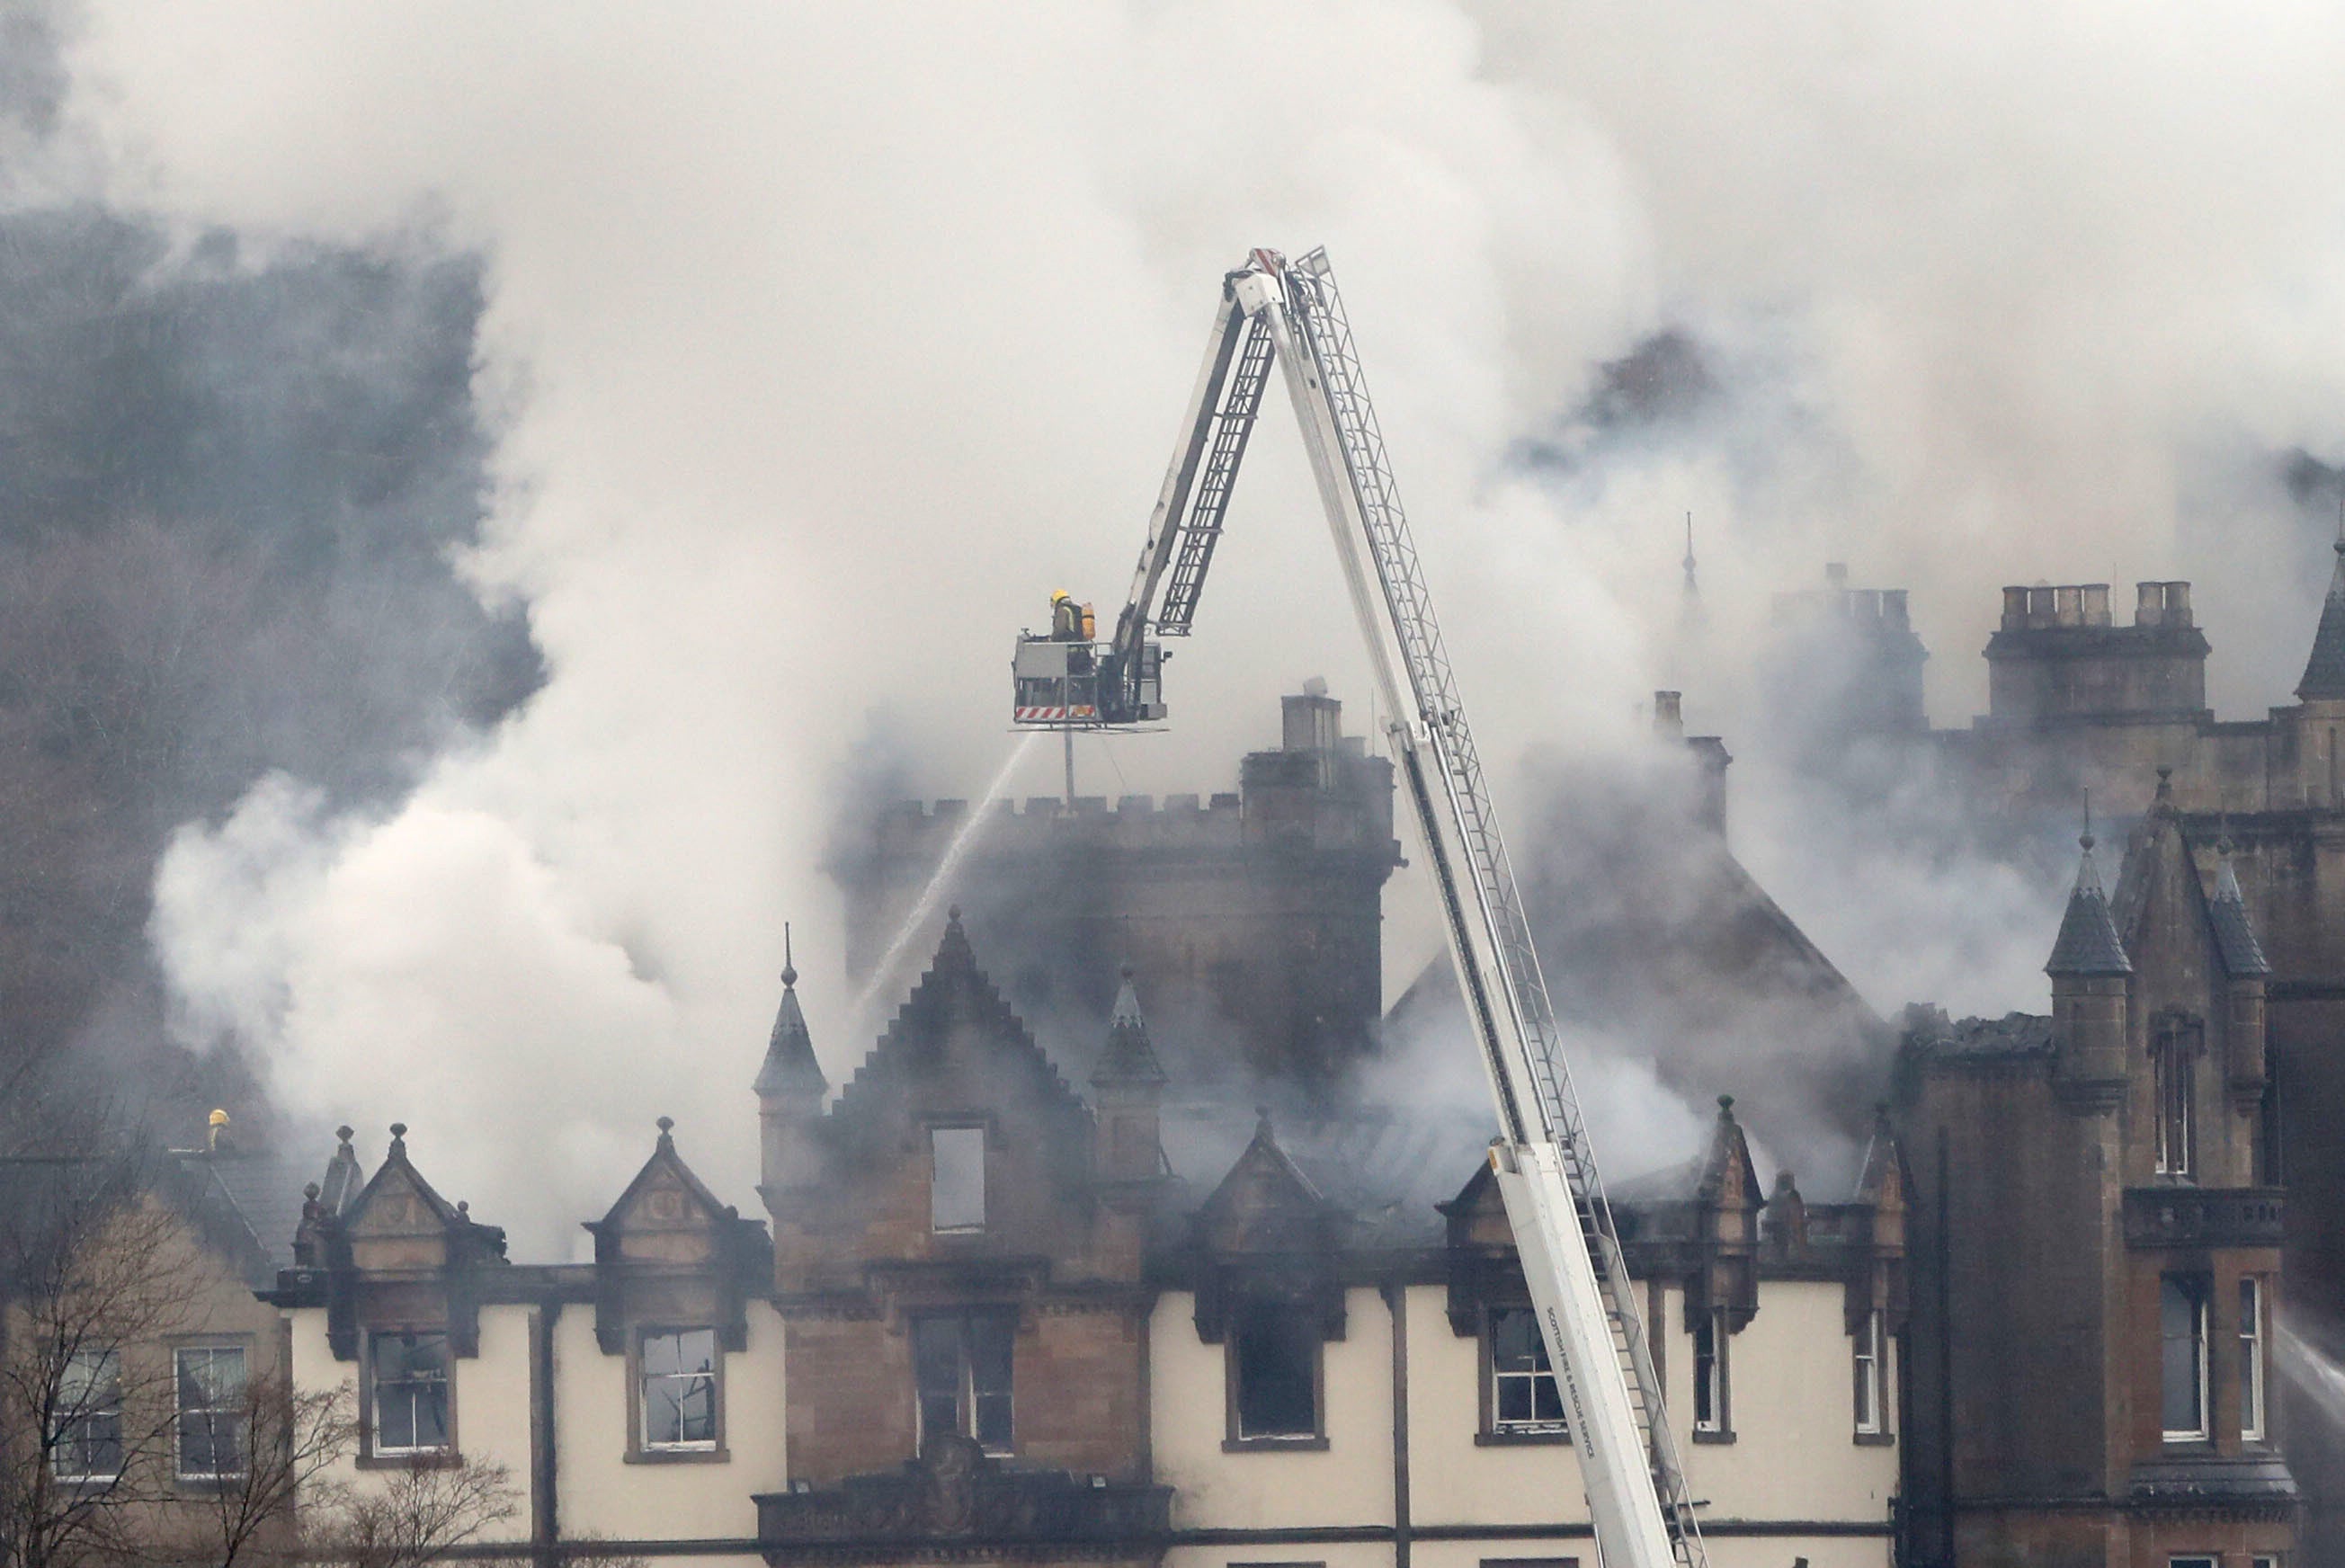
(1259, 908)
(2089, 971)
(790, 1087)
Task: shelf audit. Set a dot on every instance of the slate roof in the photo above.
(2235, 933)
(260, 1194)
(2087, 945)
(2324, 671)
(1383, 1167)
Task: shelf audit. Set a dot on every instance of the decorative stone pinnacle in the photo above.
(345, 1133)
(665, 1124)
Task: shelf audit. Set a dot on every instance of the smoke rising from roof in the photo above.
(827, 342)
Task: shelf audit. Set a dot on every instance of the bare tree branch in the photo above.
(414, 1517)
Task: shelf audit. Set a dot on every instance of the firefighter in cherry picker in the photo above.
(1070, 622)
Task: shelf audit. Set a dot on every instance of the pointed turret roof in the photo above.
(2087, 945)
(2324, 671)
(2235, 933)
(1728, 1176)
(1129, 1058)
(790, 1067)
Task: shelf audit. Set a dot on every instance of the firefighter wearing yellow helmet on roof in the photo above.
(1066, 618)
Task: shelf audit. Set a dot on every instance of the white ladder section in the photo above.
(1545, 1170)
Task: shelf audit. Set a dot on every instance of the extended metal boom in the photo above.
(1544, 1168)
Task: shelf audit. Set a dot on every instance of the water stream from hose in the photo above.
(939, 882)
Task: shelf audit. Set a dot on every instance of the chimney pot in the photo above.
(1668, 715)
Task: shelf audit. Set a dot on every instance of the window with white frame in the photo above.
(208, 1423)
(2208, 1561)
(85, 1431)
(2182, 1358)
(957, 1178)
(1872, 1380)
(408, 1392)
(2174, 1058)
(2251, 1360)
(679, 1391)
(1525, 1399)
(1709, 1388)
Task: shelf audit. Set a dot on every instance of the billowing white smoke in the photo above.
(834, 337)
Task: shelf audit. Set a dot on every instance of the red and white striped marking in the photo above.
(1044, 715)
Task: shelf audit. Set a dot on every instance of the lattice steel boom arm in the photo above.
(1586, 1305)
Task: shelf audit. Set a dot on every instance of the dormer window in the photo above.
(955, 1178)
(2174, 1055)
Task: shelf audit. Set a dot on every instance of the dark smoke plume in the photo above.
(237, 488)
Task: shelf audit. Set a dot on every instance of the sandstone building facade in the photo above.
(991, 1317)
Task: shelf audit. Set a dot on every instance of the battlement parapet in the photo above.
(1288, 807)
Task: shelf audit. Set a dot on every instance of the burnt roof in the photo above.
(2013, 1035)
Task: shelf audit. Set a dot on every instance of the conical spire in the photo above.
(2087, 945)
(791, 1068)
(2235, 933)
(1129, 1058)
(2324, 671)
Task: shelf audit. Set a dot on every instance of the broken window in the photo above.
(1273, 1361)
(208, 1424)
(1709, 1372)
(1524, 1396)
(2173, 1073)
(2182, 1371)
(2251, 1360)
(957, 1178)
(407, 1389)
(679, 1391)
(1871, 1417)
(962, 1365)
(85, 1431)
